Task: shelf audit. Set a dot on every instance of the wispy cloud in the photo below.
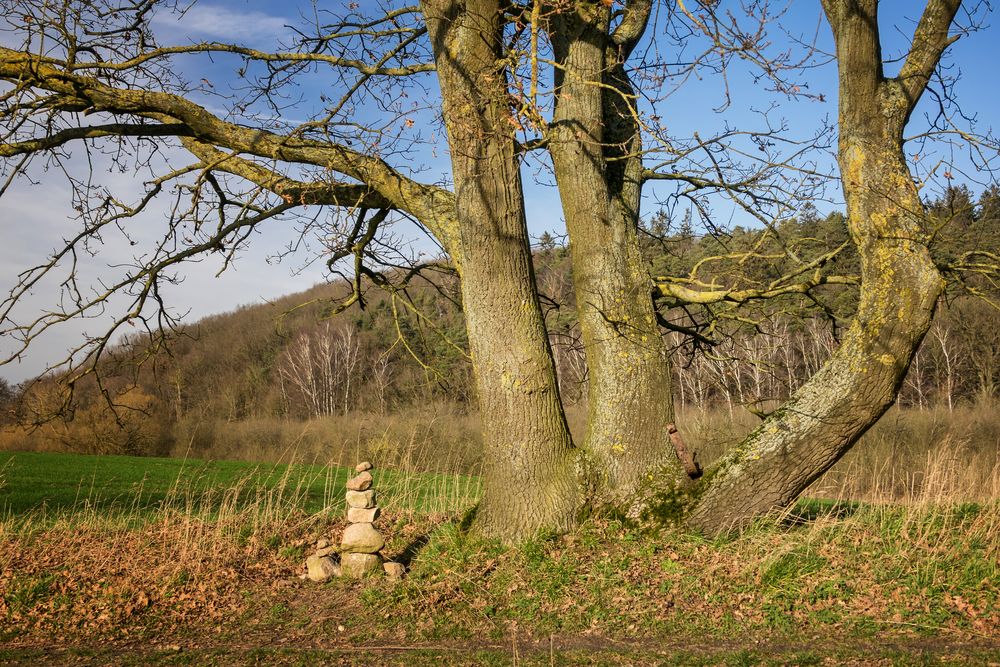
(204, 21)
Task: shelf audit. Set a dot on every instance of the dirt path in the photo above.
(567, 650)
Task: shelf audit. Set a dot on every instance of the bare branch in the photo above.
(93, 132)
(432, 205)
(930, 39)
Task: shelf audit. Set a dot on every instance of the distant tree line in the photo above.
(289, 359)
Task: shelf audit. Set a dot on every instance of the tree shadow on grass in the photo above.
(809, 510)
(411, 550)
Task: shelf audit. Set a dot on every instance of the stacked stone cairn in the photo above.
(360, 546)
(361, 542)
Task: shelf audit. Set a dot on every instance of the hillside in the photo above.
(286, 378)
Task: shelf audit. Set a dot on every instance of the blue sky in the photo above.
(35, 217)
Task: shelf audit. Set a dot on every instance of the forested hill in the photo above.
(291, 360)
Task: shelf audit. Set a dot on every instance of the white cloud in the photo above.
(203, 21)
(35, 218)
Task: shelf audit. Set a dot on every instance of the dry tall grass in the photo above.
(438, 437)
(909, 456)
(920, 457)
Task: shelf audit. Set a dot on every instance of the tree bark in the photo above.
(530, 476)
(899, 289)
(595, 146)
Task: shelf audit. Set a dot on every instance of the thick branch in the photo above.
(685, 295)
(292, 191)
(632, 26)
(431, 205)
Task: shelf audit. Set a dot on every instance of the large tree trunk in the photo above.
(530, 476)
(900, 284)
(595, 147)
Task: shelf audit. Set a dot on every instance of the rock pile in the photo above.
(361, 542)
(360, 546)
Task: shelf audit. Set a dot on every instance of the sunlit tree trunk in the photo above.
(595, 148)
(900, 283)
(530, 481)
(942, 336)
(915, 378)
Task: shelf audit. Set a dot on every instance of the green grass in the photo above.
(57, 484)
(60, 482)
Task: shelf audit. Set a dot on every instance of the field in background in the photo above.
(42, 486)
(950, 455)
(439, 436)
(907, 456)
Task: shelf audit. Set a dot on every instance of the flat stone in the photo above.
(362, 499)
(362, 514)
(326, 551)
(394, 570)
(363, 466)
(321, 568)
(360, 483)
(322, 543)
(361, 538)
(358, 566)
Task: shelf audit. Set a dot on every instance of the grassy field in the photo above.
(115, 560)
(56, 483)
(49, 484)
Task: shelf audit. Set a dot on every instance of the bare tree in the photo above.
(381, 374)
(945, 345)
(323, 367)
(94, 76)
(900, 284)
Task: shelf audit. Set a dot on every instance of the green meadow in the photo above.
(57, 484)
